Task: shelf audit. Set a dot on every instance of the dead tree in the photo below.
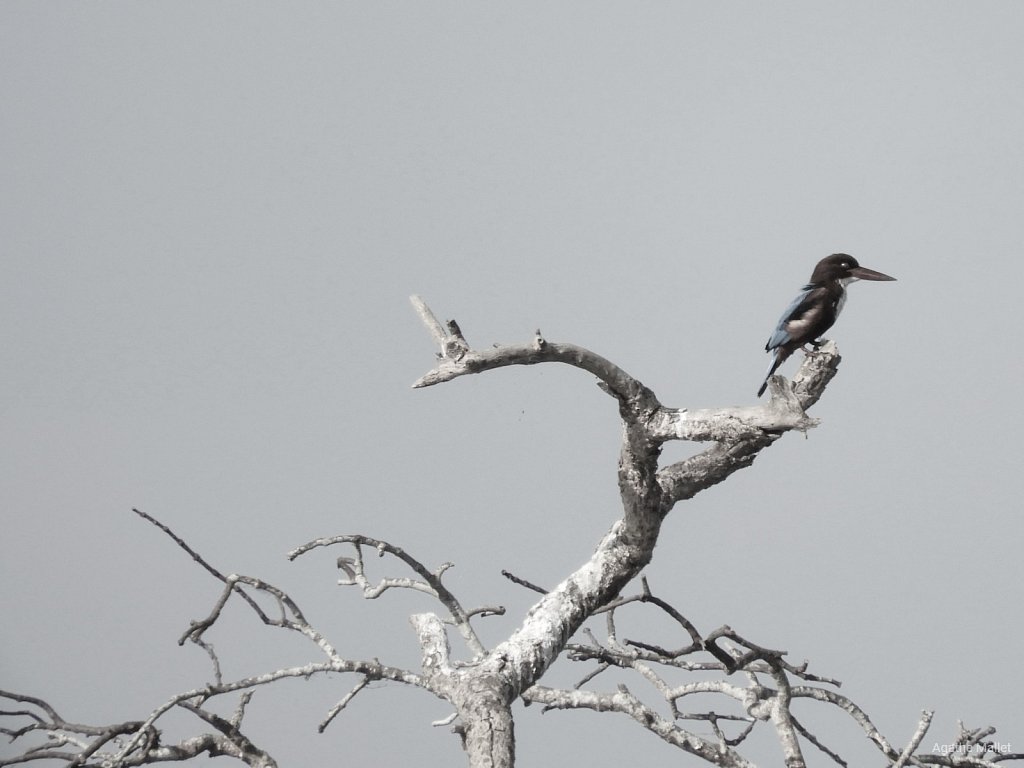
(483, 684)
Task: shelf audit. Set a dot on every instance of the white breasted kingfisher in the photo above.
(815, 309)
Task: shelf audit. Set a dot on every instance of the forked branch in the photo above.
(430, 581)
(767, 696)
(140, 742)
(648, 492)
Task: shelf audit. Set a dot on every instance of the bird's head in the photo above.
(842, 266)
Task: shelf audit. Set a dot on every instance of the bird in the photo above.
(815, 309)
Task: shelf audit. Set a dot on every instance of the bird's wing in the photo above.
(799, 315)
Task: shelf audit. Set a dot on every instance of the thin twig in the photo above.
(817, 742)
(336, 709)
(431, 583)
(523, 582)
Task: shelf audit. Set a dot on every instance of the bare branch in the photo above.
(617, 382)
(484, 611)
(78, 744)
(240, 745)
(524, 583)
(336, 709)
(144, 746)
(859, 716)
(686, 478)
(915, 740)
(291, 616)
(195, 633)
(782, 719)
(817, 742)
(437, 662)
(451, 342)
(50, 711)
(635, 399)
(431, 583)
(758, 702)
(373, 670)
(448, 720)
(436, 331)
(696, 641)
(742, 432)
(817, 370)
(729, 424)
(181, 543)
(626, 703)
(243, 702)
(50, 721)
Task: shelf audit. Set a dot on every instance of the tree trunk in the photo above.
(489, 735)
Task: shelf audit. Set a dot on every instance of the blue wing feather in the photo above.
(781, 334)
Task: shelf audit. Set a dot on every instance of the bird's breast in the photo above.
(840, 302)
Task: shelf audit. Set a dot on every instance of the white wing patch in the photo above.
(798, 325)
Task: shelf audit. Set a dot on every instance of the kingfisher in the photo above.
(815, 309)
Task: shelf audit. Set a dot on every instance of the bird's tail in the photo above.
(777, 359)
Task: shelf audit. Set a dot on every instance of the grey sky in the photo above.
(212, 216)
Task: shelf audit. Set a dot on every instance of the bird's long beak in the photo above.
(863, 273)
